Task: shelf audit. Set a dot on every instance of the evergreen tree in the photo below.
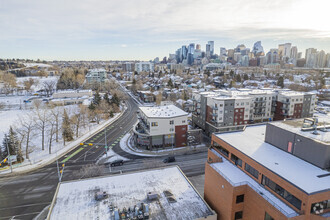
(106, 98)
(3, 148)
(170, 83)
(231, 73)
(280, 82)
(91, 106)
(115, 100)
(246, 77)
(67, 132)
(12, 141)
(238, 78)
(97, 98)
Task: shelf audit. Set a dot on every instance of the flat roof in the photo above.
(293, 169)
(236, 177)
(166, 111)
(75, 199)
(296, 125)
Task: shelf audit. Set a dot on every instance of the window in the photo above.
(282, 192)
(221, 105)
(239, 215)
(184, 121)
(183, 129)
(172, 122)
(183, 135)
(252, 171)
(171, 129)
(240, 198)
(318, 206)
(154, 124)
(268, 217)
(221, 149)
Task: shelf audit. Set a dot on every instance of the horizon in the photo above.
(108, 30)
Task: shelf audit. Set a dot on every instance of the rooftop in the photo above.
(296, 125)
(167, 111)
(293, 169)
(75, 199)
(236, 177)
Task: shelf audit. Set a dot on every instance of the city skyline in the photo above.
(108, 30)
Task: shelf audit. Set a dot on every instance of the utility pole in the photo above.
(105, 141)
(11, 167)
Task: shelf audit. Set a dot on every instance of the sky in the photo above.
(145, 29)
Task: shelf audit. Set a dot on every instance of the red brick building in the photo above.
(269, 174)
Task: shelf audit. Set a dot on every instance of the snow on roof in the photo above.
(167, 111)
(295, 127)
(236, 177)
(74, 91)
(75, 199)
(295, 170)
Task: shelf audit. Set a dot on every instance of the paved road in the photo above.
(24, 196)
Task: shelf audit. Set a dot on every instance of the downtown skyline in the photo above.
(108, 30)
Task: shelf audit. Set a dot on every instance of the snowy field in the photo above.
(36, 154)
(39, 81)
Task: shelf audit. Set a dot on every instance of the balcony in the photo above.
(214, 114)
(214, 107)
(144, 125)
(260, 101)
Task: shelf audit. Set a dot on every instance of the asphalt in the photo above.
(26, 195)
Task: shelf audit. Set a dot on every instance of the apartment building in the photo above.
(161, 126)
(96, 75)
(294, 105)
(220, 110)
(274, 171)
(144, 67)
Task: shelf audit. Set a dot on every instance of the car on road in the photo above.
(169, 159)
(115, 163)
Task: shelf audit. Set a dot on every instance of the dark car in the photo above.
(169, 159)
(115, 163)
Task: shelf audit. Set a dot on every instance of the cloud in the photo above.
(89, 23)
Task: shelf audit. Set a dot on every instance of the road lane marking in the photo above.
(69, 157)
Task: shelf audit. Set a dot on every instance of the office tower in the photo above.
(310, 57)
(245, 60)
(327, 65)
(208, 50)
(320, 59)
(284, 50)
(299, 55)
(239, 48)
(231, 53)
(198, 46)
(258, 50)
(245, 51)
(191, 50)
(223, 51)
(272, 56)
(178, 55)
(294, 52)
(184, 52)
(211, 43)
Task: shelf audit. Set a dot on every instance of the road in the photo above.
(24, 196)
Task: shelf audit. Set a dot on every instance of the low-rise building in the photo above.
(163, 193)
(144, 67)
(161, 126)
(273, 171)
(96, 75)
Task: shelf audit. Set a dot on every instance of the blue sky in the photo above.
(145, 29)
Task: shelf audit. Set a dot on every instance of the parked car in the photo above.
(115, 163)
(169, 159)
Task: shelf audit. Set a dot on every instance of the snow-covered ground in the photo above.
(37, 64)
(36, 154)
(110, 157)
(39, 81)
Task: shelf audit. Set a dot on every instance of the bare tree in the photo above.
(56, 113)
(27, 128)
(41, 120)
(49, 87)
(51, 132)
(28, 84)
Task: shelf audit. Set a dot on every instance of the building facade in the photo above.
(161, 126)
(96, 75)
(216, 110)
(268, 172)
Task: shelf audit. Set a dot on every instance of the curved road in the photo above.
(26, 195)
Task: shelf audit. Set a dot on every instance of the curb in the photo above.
(158, 154)
(62, 154)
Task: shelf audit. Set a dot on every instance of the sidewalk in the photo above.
(27, 167)
(127, 146)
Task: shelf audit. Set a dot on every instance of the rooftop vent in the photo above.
(152, 196)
